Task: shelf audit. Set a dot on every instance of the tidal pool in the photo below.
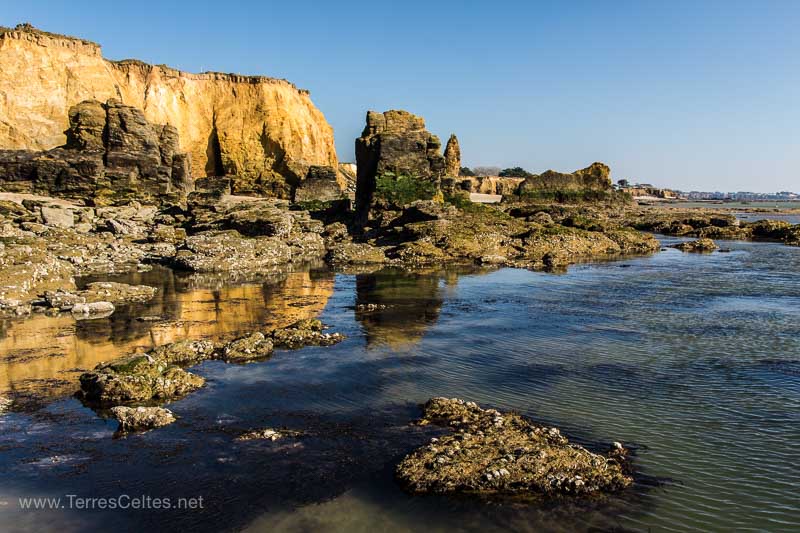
(693, 360)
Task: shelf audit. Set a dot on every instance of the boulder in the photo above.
(83, 311)
(185, 352)
(141, 418)
(221, 251)
(321, 184)
(58, 217)
(251, 347)
(505, 453)
(355, 253)
(698, 246)
(137, 378)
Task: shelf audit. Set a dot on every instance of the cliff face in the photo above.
(264, 131)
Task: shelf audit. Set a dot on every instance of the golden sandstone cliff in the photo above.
(263, 131)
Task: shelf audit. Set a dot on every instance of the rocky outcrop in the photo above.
(321, 183)
(395, 144)
(112, 155)
(504, 453)
(452, 157)
(595, 177)
(264, 132)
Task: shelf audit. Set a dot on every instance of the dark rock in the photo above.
(321, 184)
(395, 142)
(113, 155)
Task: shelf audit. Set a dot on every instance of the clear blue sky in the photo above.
(690, 94)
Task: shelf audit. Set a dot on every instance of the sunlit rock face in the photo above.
(263, 131)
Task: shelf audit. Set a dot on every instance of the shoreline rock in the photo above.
(698, 246)
(491, 452)
(133, 419)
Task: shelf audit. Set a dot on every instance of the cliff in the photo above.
(263, 131)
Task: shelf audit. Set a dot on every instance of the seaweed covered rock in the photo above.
(309, 332)
(138, 378)
(222, 251)
(185, 352)
(141, 418)
(251, 347)
(698, 246)
(355, 253)
(505, 453)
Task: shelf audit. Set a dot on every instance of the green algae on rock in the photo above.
(137, 378)
(504, 453)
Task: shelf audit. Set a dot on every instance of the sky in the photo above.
(693, 95)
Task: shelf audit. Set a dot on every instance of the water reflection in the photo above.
(396, 307)
(43, 355)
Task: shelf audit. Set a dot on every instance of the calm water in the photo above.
(693, 360)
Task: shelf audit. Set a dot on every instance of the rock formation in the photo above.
(452, 157)
(264, 132)
(321, 183)
(595, 177)
(395, 142)
(113, 155)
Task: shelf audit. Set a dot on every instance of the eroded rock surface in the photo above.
(113, 155)
(494, 452)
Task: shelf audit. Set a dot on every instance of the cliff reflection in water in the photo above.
(42, 356)
(395, 308)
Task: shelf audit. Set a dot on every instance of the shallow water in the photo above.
(693, 360)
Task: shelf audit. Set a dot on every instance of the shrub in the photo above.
(403, 189)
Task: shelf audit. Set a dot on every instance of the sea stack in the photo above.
(452, 157)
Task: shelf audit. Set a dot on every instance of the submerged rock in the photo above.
(267, 434)
(494, 452)
(698, 246)
(138, 378)
(5, 405)
(141, 418)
